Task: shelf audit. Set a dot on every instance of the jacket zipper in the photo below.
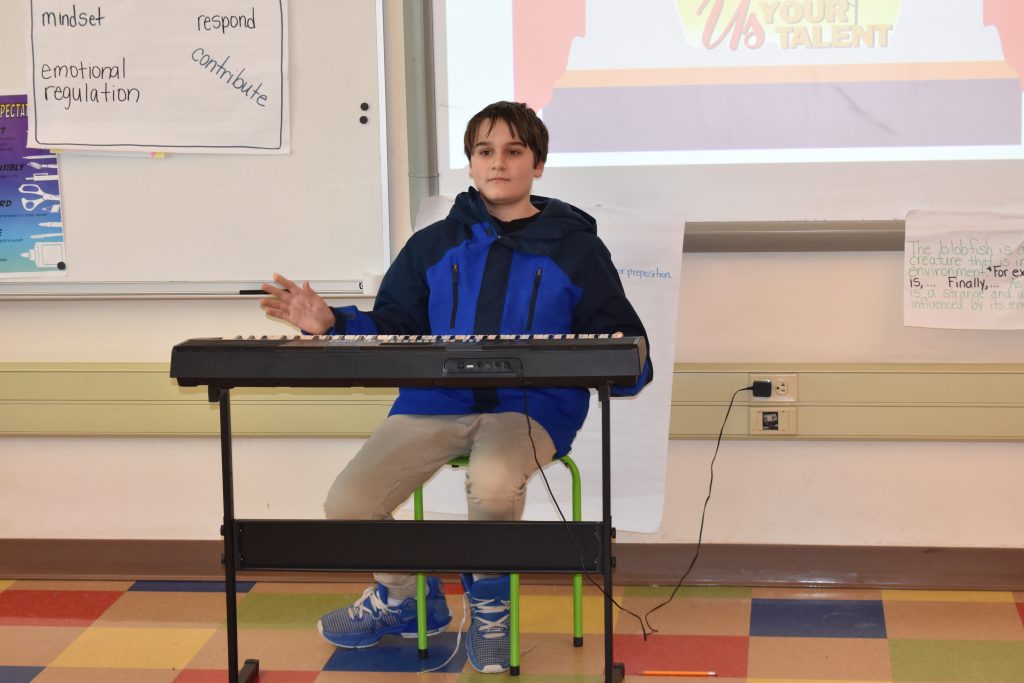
(533, 301)
(455, 293)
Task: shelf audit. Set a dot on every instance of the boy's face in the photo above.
(502, 168)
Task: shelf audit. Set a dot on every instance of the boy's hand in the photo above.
(300, 306)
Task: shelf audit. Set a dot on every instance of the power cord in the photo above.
(756, 388)
(565, 522)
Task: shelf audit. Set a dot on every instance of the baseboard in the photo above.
(45, 558)
(816, 565)
(636, 564)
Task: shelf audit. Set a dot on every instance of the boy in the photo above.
(503, 262)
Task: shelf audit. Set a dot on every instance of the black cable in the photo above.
(565, 522)
(700, 533)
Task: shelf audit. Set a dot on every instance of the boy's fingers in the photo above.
(284, 282)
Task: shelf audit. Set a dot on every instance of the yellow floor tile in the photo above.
(134, 648)
(555, 655)
(277, 650)
(553, 614)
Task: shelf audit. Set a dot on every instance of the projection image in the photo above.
(653, 82)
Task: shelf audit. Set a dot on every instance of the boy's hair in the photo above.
(521, 120)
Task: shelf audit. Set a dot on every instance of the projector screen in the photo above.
(726, 110)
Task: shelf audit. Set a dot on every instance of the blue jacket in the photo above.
(462, 276)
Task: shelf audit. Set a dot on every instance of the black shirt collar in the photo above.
(515, 225)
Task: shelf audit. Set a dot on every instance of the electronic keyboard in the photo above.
(580, 360)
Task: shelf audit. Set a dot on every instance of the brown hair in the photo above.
(521, 120)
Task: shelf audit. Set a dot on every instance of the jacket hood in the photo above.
(557, 218)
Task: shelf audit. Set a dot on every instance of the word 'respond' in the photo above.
(221, 22)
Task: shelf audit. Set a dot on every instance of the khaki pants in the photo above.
(406, 450)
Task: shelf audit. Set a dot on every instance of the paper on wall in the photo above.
(131, 75)
(964, 270)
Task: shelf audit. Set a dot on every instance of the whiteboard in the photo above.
(216, 224)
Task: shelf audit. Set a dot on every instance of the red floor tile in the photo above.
(725, 655)
(54, 608)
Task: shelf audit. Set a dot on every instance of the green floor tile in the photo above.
(980, 661)
(284, 610)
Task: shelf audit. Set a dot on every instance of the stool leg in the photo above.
(421, 614)
(513, 660)
(577, 579)
(577, 610)
(421, 579)
(421, 586)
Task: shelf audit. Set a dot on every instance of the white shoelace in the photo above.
(458, 638)
(358, 610)
(491, 629)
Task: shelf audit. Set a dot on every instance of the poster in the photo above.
(180, 76)
(964, 270)
(31, 223)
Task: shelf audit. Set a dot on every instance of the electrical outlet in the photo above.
(784, 387)
(774, 420)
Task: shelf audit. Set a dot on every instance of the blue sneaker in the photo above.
(487, 642)
(370, 618)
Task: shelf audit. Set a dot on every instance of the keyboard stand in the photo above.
(312, 544)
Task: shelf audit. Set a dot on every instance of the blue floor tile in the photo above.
(817, 618)
(400, 655)
(19, 674)
(189, 586)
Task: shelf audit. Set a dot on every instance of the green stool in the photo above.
(577, 579)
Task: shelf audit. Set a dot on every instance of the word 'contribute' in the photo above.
(235, 80)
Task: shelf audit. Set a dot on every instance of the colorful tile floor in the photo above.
(157, 632)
